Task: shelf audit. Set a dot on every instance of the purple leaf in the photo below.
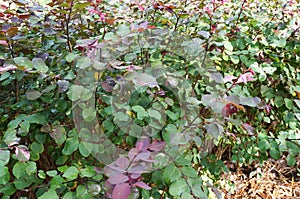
(246, 77)
(217, 77)
(150, 159)
(142, 156)
(135, 175)
(122, 162)
(248, 128)
(142, 144)
(142, 185)
(157, 145)
(121, 191)
(110, 170)
(137, 169)
(109, 187)
(118, 178)
(132, 153)
(229, 78)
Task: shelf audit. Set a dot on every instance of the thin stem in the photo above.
(67, 26)
(240, 13)
(16, 84)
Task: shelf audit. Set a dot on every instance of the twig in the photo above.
(67, 26)
(240, 13)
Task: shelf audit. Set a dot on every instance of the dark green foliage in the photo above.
(164, 94)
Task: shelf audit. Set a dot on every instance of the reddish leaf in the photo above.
(142, 185)
(121, 191)
(268, 109)
(110, 170)
(157, 145)
(132, 153)
(122, 162)
(138, 169)
(228, 110)
(248, 128)
(142, 144)
(118, 178)
(135, 175)
(142, 156)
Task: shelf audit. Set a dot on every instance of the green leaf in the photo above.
(89, 114)
(56, 182)
(141, 113)
(30, 167)
(235, 59)
(297, 102)
(154, 114)
(21, 183)
(228, 45)
(23, 62)
(214, 129)
(178, 187)
(41, 174)
(24, 126)
(51, 173)
(71, 173)
(240, 44)
(58, 133)
(82, 192)
(40, 65)
(279, 43)
(123, 30)
(275, 153)
(50, 194)
(291, 160)
(108, 125)
(135, 130)
(199, 191)
(171, 174)
(4, 175)
(37, 147)
(87, 172)
(8, 189)
(84, 150)
(37, 118)
(77, 92)
(189, 171)
(4, 76)
(33, 95)
(120, 116)
(71, 145)
(4, 157)
(71, 57)
(19, 169)
(83, 62)
(70, 195)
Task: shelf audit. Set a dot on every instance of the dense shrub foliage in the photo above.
(140, 99)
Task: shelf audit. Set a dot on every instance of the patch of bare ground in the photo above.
(274, 179)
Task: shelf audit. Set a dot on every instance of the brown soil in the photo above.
(272, 180)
